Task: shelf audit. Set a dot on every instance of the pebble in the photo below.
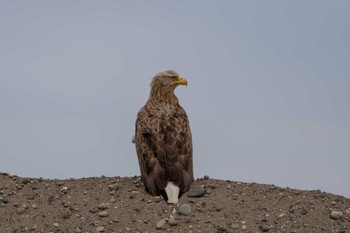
(60, 183)
(93, 210)
(234, 226)
(133, 194)
(56, 224)
(31, 196)
(66, 213)
(172, 221)
(4, 199)
(265, 227)
(50, 198)
(198, 192)
(113, 187)
(103, 206)
(336, 214)
(185, 209)
(20, 210)
(157, 199)
(103, 214)
(161, 224)
(100, 229)
(25, 181)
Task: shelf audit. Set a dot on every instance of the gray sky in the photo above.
(268, 95)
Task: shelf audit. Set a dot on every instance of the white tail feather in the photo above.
(172, 191)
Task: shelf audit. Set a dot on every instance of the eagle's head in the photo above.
(164, 83)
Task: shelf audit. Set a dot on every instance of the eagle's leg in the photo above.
(172, 192)
(176, 207)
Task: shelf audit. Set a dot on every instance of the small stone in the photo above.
(4, 199)
(20, 210)
(50, 198)
(281, 215)
(265, 227)
(133, 194)
(31, 196)
(60, 183)
(100, 229)
(234, 226)
(56, 224)
(103, 206)
(93, 210)
(185, 209)
(25, 181)
(172, 221)
(64, 190)
(66, 213)
(198, 192)
(112, 200)
(336, 215)
(103, 214)
(157, 199)
(34, 206)
(244, 227)
(78, 230)
(161, 224)
(113, 187)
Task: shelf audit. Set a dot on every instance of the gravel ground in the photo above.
(120, 204)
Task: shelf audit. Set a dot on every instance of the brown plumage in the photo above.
(163, 139)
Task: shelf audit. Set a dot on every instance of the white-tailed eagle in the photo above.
(163, 140)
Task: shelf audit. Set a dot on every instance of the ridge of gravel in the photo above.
(120, 204)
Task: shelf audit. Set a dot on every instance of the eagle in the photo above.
(163, 140)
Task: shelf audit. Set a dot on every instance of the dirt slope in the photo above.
(120, 204)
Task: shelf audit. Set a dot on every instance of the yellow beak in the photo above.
(181, 81)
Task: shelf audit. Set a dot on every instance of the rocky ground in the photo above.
(120, 204)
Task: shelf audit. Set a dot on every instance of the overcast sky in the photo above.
(268, 96)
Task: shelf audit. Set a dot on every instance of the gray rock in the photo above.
(50, 198)
(113, 187)
(172, 221)
(25, 181)
(20, 210)
(93, 210)
(336, 214)
(198, 192)
(185, 209)
(161, 224)
(31, 196)
(66, 213)
(4, 199)
(234, 226)
(157, 199)
(264, 227)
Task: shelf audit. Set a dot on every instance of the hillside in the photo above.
(120, 204)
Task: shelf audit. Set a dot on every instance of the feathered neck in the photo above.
(163, 95)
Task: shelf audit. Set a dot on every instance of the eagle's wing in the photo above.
(178, 150)
(164, 149)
